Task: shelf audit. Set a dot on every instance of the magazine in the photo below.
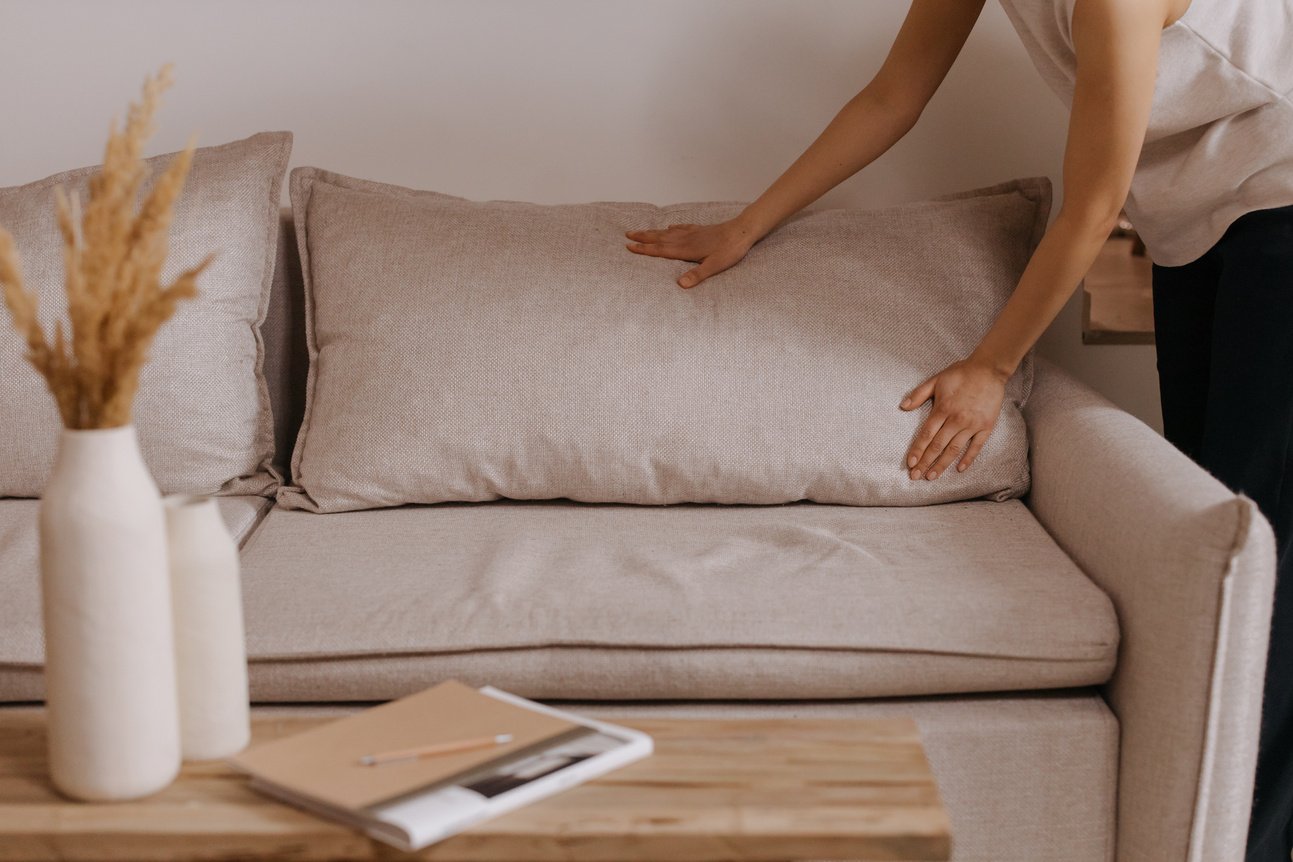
(412, 802)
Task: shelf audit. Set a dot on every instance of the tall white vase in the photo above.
(210, 652)
(113, 719)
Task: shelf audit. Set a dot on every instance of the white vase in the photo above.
(113, 718)
(210, 653)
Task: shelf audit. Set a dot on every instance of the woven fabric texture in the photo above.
(469, 351)
(685, 601)
(1190, 569)
(202, 410)
(21, 641)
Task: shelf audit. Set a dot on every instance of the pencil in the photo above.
(434, 750)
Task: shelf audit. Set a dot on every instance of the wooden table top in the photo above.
(1117, 297)
(714, 790)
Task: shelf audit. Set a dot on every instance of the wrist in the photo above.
(752, 225)
(1000, 367)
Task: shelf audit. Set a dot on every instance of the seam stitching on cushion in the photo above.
(265, 441)
(1221, 630)
(379, 652)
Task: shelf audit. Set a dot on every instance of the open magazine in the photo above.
(411, 804)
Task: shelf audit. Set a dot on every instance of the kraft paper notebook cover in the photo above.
(411, 803)
(324, 761)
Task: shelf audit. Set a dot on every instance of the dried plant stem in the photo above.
(113, 257)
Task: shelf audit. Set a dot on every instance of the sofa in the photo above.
(1085, 662)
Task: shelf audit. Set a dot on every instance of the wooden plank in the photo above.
(1117, 297)
(714, 790)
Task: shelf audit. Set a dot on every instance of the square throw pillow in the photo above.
(202, 410)
(465, 350)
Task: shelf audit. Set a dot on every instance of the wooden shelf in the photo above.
(1117, 302)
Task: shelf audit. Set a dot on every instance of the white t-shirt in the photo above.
(1220, 137)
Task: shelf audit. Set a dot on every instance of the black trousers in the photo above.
(1224, 329)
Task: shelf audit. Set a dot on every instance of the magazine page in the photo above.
(422, 818)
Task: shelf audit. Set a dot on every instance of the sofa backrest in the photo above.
(286, 356)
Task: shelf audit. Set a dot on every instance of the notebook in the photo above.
(412, 802)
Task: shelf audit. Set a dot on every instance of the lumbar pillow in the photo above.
(465, 350)
(202, 410)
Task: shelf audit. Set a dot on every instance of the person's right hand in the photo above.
(715, 247)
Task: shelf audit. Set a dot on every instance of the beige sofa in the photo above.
(1085, 664)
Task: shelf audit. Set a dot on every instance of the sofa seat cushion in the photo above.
(568, 600)
(21, 643)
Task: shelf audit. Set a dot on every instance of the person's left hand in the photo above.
(967, 400)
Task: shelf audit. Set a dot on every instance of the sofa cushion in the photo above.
(21, 643)
(465, 350)
(567, 600)
(202, 410)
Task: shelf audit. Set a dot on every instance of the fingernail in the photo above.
(906, 401)
(685, 281)
(960, 468)
(915, 474)
(911, 461)
(933, 474)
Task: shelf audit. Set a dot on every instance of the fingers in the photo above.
(709, 246)
(657, 250)
(973, 452)
(948, 455)
(924, 438)
(941, 440)
(646, 235)
(659, 234)
(670, 242)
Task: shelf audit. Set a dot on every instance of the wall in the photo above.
(546, 101)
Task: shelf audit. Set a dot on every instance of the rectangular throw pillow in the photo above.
(202, 410)
(465, 350)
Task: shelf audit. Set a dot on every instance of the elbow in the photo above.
(1094, 220)
(902, 106)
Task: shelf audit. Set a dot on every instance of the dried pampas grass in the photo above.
(113, 257)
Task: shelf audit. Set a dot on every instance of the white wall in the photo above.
(559, 101)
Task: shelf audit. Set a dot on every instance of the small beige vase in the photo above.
(210, 652)
(113, 719)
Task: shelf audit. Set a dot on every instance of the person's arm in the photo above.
(928, 43)
(1116, 43)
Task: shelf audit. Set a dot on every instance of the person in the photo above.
(1180, 110)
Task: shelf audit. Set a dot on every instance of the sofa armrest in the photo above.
(1190, 567)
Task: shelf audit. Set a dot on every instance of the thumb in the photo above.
(919, 395)
(694, 276)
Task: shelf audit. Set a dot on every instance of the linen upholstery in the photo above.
(561, 599)
(21, 642)
(467, 351)
(202, 410)
(1190, 568)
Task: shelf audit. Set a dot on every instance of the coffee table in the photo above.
(714, 790)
